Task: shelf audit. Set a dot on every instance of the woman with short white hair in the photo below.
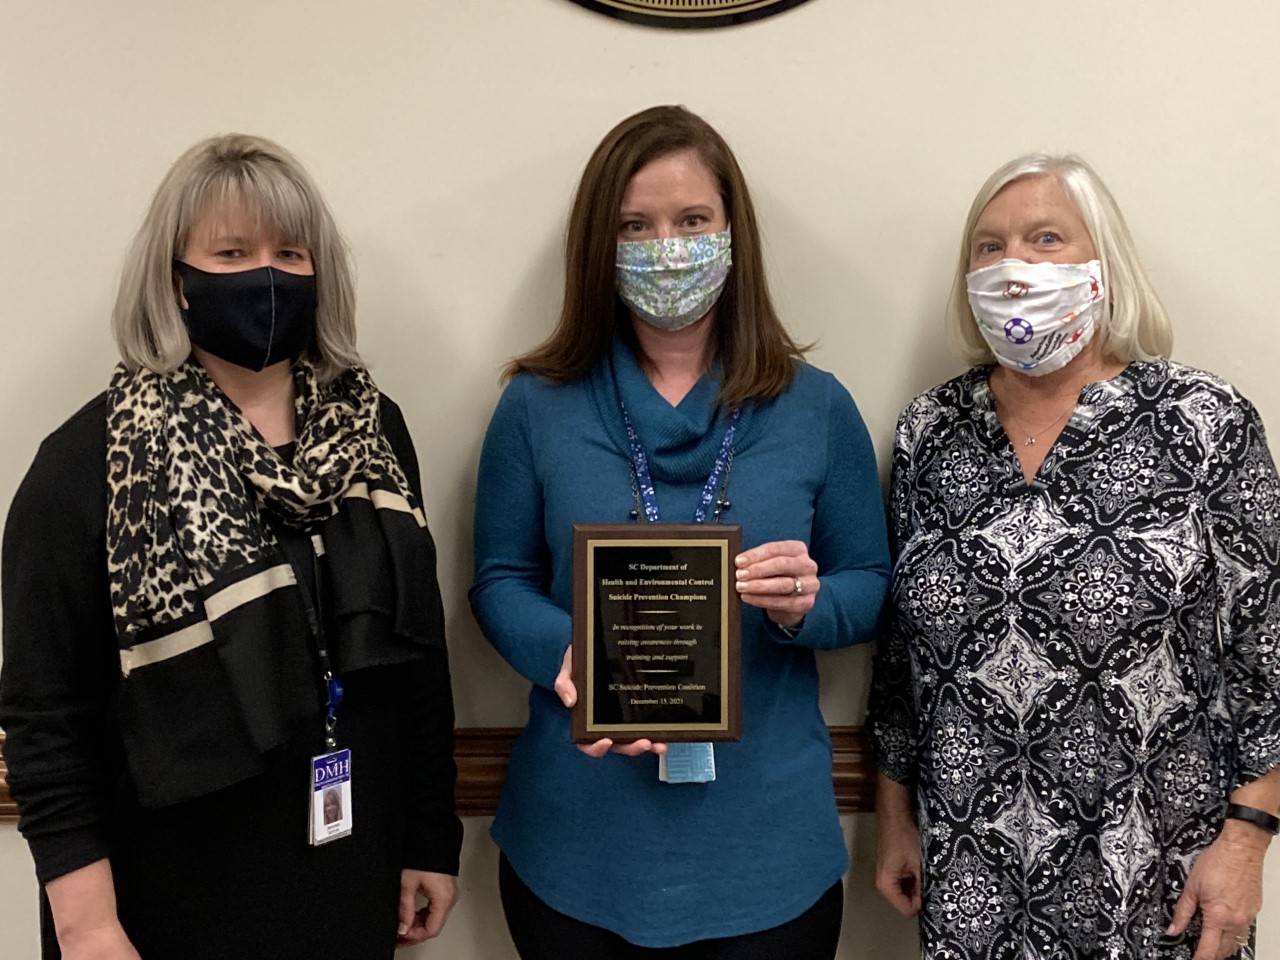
(225, 685)
(1075, 713)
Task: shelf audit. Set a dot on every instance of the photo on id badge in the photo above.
(331, 815)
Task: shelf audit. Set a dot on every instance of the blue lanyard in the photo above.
(333, 688)
(644, 481)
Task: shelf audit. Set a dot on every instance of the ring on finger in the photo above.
(799, 586)
(1241, 941)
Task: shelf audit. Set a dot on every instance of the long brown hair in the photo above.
(757, 355)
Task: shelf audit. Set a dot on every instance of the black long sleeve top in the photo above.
(61, 673)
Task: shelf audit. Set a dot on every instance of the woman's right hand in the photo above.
(898, 862)
(84, 915)
(898, 865)
(568, 695)
(100, 943)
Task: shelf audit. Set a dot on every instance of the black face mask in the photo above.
(252, 318)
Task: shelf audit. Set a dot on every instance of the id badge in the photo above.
(687, 763)
(331, 816)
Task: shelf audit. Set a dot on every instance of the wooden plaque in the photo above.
(656, 632)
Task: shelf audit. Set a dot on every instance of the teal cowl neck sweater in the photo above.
(603, 840)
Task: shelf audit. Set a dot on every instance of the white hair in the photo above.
(1134, 323)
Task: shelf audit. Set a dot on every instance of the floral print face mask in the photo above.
(672, 282)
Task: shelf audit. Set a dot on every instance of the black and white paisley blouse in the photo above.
(1080, 669)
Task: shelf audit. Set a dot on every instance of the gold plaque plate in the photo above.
(657, 632)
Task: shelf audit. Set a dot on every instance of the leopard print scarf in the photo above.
(184, 515)
(201, 592)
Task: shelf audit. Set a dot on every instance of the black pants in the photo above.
(541, 933)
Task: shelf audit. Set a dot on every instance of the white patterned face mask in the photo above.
(672, 282)
(1037, 317)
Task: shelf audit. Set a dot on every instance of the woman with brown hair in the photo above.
(670, 382)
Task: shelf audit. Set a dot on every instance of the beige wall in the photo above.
(449, 133)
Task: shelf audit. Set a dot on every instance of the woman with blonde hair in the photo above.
(670, 390)
(1076, 713)
(220, 607)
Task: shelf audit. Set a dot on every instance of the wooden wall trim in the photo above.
(8, 809)
(853, 768)
(482, 764)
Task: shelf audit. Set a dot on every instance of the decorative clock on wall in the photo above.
(689, 13)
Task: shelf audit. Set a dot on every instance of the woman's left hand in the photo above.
(1225, 885)
(440, 891)
(779, 577)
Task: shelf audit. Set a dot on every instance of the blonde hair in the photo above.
(226, 173)
(1134, 323)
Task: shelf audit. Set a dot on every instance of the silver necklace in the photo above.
(1032, 437)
